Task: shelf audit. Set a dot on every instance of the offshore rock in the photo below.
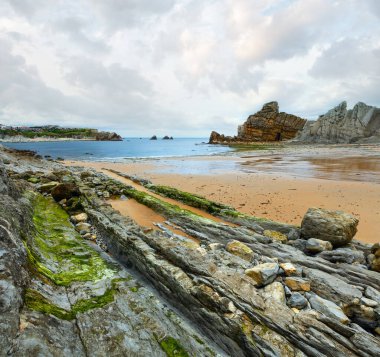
(108, 136)
(340, 125)
(336, 227)
(268, 124)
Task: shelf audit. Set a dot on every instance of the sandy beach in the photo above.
(273, 192)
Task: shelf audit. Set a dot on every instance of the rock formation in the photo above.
(154, 137)
(108, 136)
(268, 124)
(340, 125)
(250, 288)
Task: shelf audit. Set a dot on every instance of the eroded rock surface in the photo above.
(137, 291)
(268, 124)
(342, 125)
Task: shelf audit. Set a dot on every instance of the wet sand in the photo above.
(274, 190)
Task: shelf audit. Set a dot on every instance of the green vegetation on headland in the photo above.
(53, 132)
(74, 133)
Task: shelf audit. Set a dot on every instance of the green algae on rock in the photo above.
(172, 347)
(188, 198)
(57, 250)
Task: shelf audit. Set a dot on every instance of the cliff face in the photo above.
(268, 124)
(340, 125)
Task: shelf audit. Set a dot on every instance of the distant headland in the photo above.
(53, 133)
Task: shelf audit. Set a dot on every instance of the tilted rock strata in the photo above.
(331, 307)
(268, 124)
(340, 125)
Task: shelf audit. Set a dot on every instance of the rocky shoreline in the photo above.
(78, 278)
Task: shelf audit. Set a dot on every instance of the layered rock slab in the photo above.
(343, 125)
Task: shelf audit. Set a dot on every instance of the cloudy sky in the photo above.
(183, 67)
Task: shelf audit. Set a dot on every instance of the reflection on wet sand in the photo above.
(365, 169)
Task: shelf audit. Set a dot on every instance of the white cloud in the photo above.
(183, 67)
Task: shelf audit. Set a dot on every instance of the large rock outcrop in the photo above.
(342, 125)
(268, 124)
(212, 289)
(108, 136)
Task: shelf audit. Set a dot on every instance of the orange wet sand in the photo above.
(274, 196)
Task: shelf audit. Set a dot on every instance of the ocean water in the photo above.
(120, 150)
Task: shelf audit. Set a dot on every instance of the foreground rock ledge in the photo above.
(296, 303)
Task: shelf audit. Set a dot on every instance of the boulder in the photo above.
(154, 137)
(65, 191)
(336, 227)
(317, 245)
(263, 274)
(240, 249)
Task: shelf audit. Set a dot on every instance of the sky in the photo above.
(183, 67)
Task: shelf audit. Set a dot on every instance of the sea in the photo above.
(117, 151)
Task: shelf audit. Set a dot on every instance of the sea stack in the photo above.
(268, 124)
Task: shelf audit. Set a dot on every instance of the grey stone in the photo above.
(344, 255)
(317, 245)
(328, 308)
(263, 274)
(336, 227)
(372, 294)
(340, 125)
(297, 300)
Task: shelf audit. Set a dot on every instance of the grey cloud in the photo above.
(120, 14)
(27, 8)
(75, 29)
(350, 58)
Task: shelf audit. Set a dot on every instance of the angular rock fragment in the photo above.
(297, 300)
(297, 284)
(328, 308)
(263, 274)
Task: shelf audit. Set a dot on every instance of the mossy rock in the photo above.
(34, 180)
(278, 236)
(58, 252)
(172, 347)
